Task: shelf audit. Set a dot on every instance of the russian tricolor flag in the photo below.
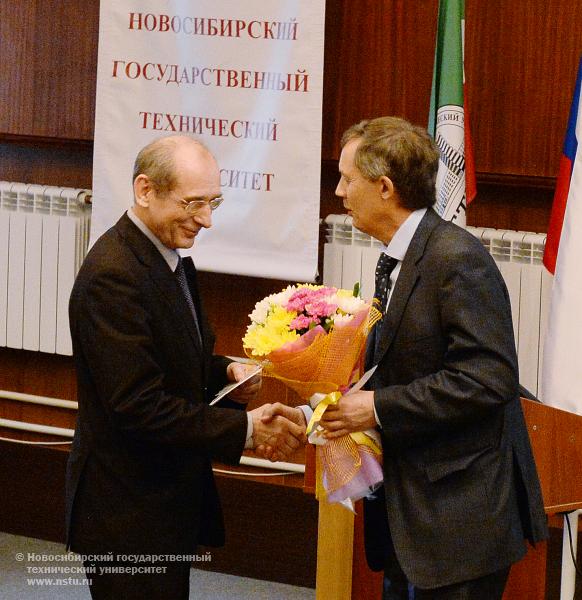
(563, 183)
(562, 362)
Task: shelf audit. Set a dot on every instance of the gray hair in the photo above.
(403, 152)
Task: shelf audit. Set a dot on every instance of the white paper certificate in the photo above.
(231, 386)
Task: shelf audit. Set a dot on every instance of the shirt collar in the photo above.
(169, 255)
(398, 245)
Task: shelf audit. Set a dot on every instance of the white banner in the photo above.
(246, 79)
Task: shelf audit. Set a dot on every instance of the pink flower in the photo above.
(304, 296)
(326, 291)
(296, 304)
(302, 322)
(320, 308)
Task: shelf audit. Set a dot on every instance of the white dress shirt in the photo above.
(398, 245)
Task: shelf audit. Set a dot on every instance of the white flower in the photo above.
(349, 304)
(261, 310)
(283, 297)
(259, 314)
(339, 320)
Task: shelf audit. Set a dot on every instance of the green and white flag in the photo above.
(448, 122)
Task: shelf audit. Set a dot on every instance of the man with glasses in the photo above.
(140, 487)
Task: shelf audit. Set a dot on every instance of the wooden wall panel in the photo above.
(521, 62)
(378, 61)
(48, 68)
(69, 165)
(16, 65)
(415, 39)
(508, 207)
(37, 373)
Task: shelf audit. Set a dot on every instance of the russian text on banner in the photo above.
(246, 79)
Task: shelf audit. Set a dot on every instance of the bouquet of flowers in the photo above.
(313, 338)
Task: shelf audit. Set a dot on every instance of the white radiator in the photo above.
(351, 256)
(44, 233)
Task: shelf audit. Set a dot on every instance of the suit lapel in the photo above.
(407, 278)
(404, 285)
(161, 275)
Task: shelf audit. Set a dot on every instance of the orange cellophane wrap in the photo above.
(330, 362)
(341, 460)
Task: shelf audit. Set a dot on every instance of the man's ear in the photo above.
(141, 189)
(387, 187)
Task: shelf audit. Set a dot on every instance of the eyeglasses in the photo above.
(194, 206)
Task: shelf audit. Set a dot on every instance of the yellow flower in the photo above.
(263, 339)
(345, 293)
(309, 286)
(280, 317)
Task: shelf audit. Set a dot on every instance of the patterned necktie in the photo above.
(181, 277)
(384, 268)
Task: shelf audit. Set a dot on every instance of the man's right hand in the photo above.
(276, 436)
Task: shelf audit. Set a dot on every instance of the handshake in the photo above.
(278, 430)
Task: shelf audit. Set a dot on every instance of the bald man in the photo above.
(140, 488)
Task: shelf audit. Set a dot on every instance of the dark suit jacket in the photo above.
(460, 485)
(139, 477)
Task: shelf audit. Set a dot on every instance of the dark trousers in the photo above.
(488, 587)
(154, 581)
(396, 586)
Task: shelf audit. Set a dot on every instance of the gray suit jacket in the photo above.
(139, 477)
(460, 487)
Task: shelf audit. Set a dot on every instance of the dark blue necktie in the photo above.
(384, 269)
(181, 277)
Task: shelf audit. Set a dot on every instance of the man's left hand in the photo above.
(248, 390)
(352, 413)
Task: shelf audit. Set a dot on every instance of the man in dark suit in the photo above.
(460, 492)
(140, 490)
